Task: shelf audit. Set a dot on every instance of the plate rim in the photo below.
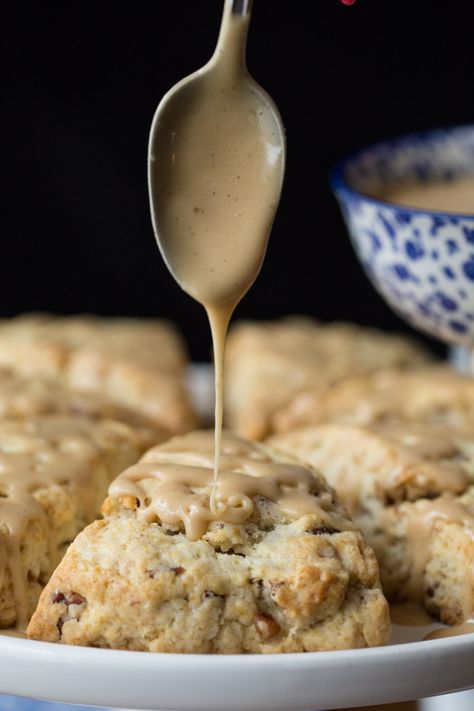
(406, 648)
(141, 680)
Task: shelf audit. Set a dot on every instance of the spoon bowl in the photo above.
(215, 168)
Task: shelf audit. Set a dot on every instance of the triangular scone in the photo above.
(290, 574)
(136, 364)
(54, 473)
(410, 488)
(432, 394)
(268, 363)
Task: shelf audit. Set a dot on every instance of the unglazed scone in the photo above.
(54, 473)
(267, 364)
(410, 488)
(432, 394)
(136, 364)
(163, 573)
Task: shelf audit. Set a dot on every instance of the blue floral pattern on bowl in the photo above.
(421, 261)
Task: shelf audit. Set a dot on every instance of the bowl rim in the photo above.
(339, 184)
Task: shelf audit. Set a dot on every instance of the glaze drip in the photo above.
(173, 485)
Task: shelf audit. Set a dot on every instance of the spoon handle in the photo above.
(241, 7)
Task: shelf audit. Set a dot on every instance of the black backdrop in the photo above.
(81, 81)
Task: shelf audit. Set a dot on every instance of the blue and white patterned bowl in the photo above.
(421, 261)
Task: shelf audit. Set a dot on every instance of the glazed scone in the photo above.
(22, 397)
(432, 394)
(136, 364)
(268, 363)
(54, 473)
(410, 488)
(282, 570)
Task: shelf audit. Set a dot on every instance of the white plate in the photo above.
(286, 682)
(406, 669)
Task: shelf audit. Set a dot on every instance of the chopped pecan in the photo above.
(71, 598)
(266, 626)
(75, 605)
(75, 599)
(321, 530)
(229, 551)
(211, 593)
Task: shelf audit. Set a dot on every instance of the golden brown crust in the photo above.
(150, 591)
(54, 472)
(410, 488)
(270, 584)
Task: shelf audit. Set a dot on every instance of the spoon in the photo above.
(215, 171)
(216, 144)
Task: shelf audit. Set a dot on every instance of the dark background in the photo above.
(81, 82)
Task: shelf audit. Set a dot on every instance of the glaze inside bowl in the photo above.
(442, 155)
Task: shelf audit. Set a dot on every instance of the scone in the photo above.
(268, 363)
(410, 488)
(136, 364)
(22, 397)
(432, 394)
(279, 567)
(54, 473)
